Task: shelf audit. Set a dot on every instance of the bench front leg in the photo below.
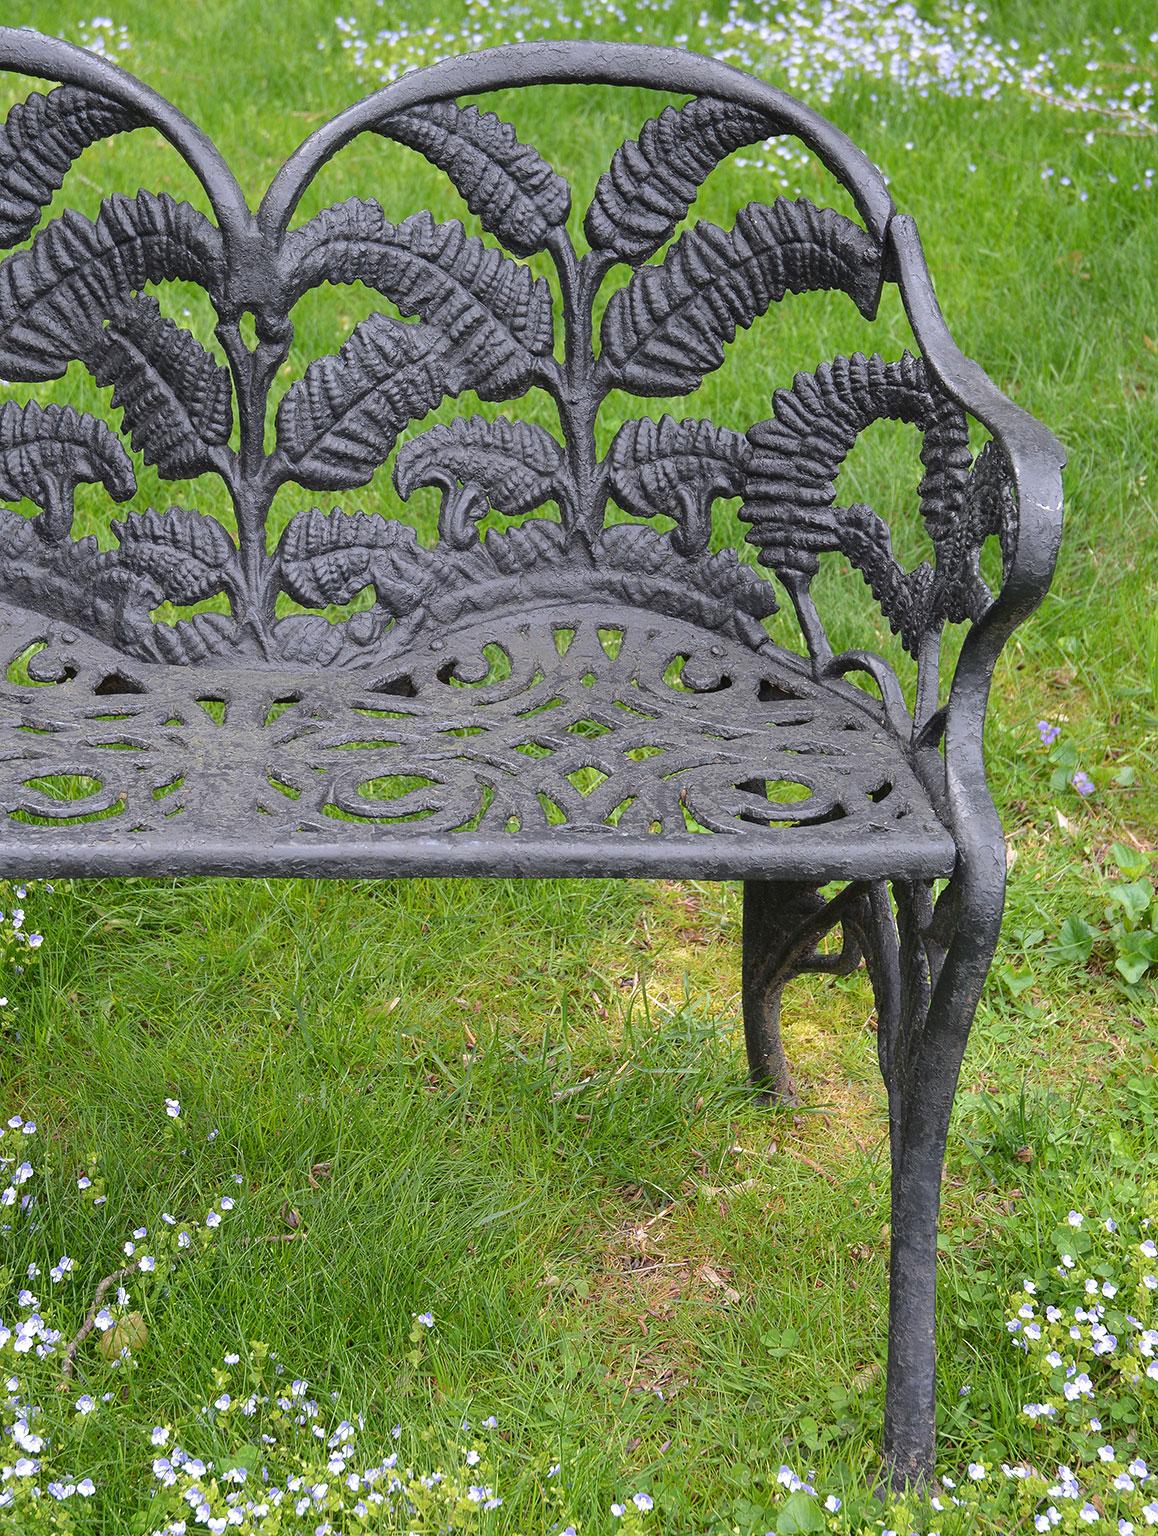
(928, 973)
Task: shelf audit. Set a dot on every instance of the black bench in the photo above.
(563, 696)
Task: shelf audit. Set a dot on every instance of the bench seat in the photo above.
(574, 740)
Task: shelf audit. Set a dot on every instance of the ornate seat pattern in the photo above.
(564, 693)
(589, 736)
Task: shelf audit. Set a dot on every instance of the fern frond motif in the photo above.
(47, 451)
(329, 557)
(677, 469)
(653, 180)
(514, 463)
(667, 328)
(495, 315)
(189, 555)
(791, 488)
(176, 398)
(340, 421)
(39, 140)
(509, 185)
(56, 295)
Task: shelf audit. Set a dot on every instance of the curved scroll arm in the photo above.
(25, 52)
(1036, 459)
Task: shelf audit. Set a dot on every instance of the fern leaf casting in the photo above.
(507, 184)
(653, 180)
(338, 423)
(177, 400)
(187, 553)
(39, 140)
(55, 296)
(47, 451)
(667, 328)
(677, 469)
(791, 488)
(494, 314)
(515, 463)
(329, 557)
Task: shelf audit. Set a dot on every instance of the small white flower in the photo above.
(642, 1501)
(84, 1403)
(832, 1504)
(172, 1108)
(1074, 1218)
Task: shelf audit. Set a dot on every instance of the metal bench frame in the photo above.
(561, 696)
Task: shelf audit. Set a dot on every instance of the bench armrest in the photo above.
(1036, 459)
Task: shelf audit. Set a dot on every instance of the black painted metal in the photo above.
(563, 697)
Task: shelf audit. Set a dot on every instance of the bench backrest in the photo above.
(481, 318)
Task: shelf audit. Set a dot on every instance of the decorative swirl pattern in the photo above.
(574, 733)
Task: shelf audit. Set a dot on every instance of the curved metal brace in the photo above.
(583, 63)
(783, 927)
(49, 58)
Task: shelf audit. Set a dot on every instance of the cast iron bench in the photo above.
(562, 696)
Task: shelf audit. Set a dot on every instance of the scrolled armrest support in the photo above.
(1036, 459)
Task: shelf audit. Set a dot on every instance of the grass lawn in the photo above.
(527, 1098)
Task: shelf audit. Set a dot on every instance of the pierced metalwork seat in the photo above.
(560, 695)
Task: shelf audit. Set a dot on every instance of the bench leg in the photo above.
(767, 1063)
(783, 924)
(927, 972)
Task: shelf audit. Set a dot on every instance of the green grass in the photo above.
(530, 1092)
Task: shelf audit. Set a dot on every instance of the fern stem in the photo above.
(576, 395)
(251, 486)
